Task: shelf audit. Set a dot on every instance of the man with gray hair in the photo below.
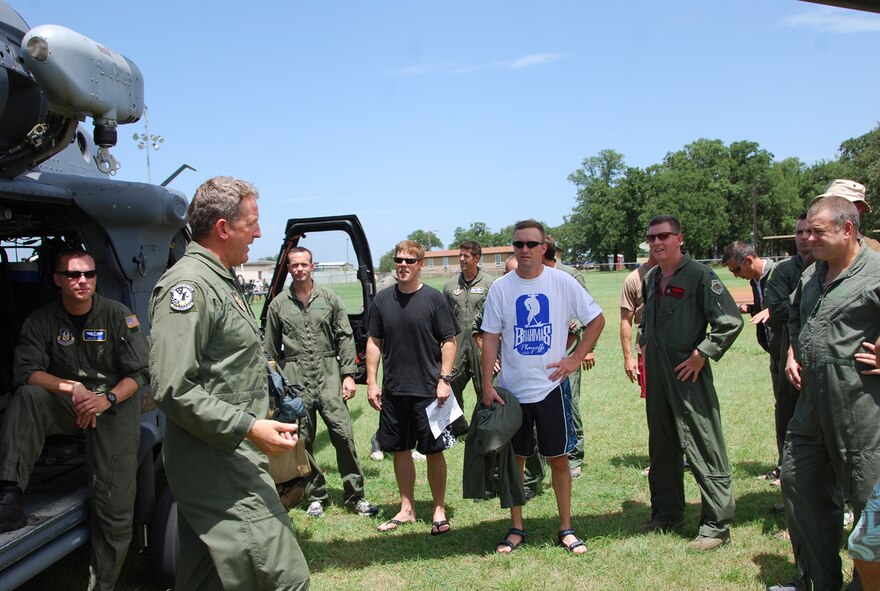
(832, 450)
(210, 379)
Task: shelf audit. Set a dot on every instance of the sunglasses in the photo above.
(660, 236)
(520, 244)
(91, 274)
(407, 260)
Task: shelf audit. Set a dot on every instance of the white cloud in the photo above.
(835, 20)
(534, 60)
(521, 63)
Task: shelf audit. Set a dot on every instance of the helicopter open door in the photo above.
(353, 280)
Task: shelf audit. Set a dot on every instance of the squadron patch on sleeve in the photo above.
(716, 286)
(183, 297)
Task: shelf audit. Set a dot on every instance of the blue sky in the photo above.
(434, 115)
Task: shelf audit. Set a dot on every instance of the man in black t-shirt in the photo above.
(412, 329)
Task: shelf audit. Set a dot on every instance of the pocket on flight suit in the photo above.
(864, 473)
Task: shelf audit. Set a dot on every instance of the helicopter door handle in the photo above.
(141, 261)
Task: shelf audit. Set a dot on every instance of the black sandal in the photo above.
(505, 542)
(570, 547)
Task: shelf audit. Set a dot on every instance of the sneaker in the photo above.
(315, 509)
(657, 525)
(364, 508)
(417, 457)
(375, 453)
(848, 517)
(786, 587)
(576, 472)
(704, 543)
(530, 493)
(646, 471)
(12, 515)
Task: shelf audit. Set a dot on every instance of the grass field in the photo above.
(609, 502)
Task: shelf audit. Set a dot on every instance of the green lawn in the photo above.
(609, 502)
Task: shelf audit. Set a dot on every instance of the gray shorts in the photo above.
(864, 542)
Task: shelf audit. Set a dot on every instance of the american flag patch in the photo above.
(132, 321)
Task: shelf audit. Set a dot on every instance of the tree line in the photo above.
(720, 192)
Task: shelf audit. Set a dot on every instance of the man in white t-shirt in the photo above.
(527, 313)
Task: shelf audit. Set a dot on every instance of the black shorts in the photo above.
(403, 425)
(554, 422)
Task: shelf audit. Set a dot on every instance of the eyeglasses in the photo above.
(520, 244)
(90, 274)
(660, 236)
(407, 260)
(737, 269)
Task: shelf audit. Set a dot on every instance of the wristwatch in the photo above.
(111, 398)
(702, 354)
(446, 377)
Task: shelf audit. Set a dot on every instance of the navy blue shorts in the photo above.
(403, 425)
(552, 418)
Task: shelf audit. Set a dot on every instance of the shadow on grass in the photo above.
(758, 508)
(413, 542)
(630, 461)
(753, 468)
(774, 569)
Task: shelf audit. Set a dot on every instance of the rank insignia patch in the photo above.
(183, 297)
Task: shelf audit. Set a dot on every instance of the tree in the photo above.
(479, 232)
(426, 238)
(693, 184)
(860, 159)
(386, 262)
(595, 225)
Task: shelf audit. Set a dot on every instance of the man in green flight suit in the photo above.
(682, 299)
(781, 283)
(307, 330)
(832, 449)
(466, 295)
(210, 380)
(79, 364)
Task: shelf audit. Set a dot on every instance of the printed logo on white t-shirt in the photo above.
(532, 333)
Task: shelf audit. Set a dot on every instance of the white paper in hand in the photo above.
(440, 417)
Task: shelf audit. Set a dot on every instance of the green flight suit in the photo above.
(576, 457)
(111, 347)
(685, 416)
(832, 451)
(781, 283)
(318, 351)
(466, 300)
(210, 381)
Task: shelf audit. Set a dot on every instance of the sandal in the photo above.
(570, 547)
(436, 527)
(505, 542)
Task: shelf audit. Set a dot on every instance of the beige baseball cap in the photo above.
(850, 190)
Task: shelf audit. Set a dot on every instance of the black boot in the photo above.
(11, 513)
